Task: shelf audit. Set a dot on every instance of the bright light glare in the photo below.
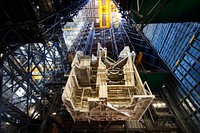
(155, 105)
(36, 116)
(20, 92)
(72, 29)
(7, 123)
(159, 105)
(54, 113)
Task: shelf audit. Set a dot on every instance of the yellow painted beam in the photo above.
(110, 59)
(139, 58)
(191, 40)
(104, 11)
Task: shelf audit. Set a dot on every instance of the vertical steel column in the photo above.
(124, 30)
(44, 77)
(28, 76)
(114, 44)
(1, 87)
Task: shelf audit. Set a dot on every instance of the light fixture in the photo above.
(31, 111)
(163, 104)
(54, 113)
(7, 123)
(37, 116)
(50, 43)
(155, 105)
(159, 105)
(163, 86)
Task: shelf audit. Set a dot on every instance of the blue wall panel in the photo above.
(178, 44)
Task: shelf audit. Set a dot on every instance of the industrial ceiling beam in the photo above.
(161, 11)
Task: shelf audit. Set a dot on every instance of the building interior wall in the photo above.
(178, 44)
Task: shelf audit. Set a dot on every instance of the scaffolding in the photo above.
(26, 72)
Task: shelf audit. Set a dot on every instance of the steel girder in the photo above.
(79, 38)
(116, 38)
(25, 73)
(115, 92)
(162, 11)
(60, 18)
(45, 28)
(151, 60)
(33, 73)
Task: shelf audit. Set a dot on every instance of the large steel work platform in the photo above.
(100, 90)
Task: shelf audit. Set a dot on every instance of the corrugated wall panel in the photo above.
(178, 44)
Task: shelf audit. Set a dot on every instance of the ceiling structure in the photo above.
(25, 21)
(162, 11)
(33, 21)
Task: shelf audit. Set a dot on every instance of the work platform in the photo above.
(100, 90)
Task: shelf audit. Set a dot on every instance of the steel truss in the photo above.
(127, 34)
(107, 91)
(45, 28)
(36, 68)
(26, 73)
(33, 66)
(138, 42)
(79, 37)
(114, 39)
(151, 59)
